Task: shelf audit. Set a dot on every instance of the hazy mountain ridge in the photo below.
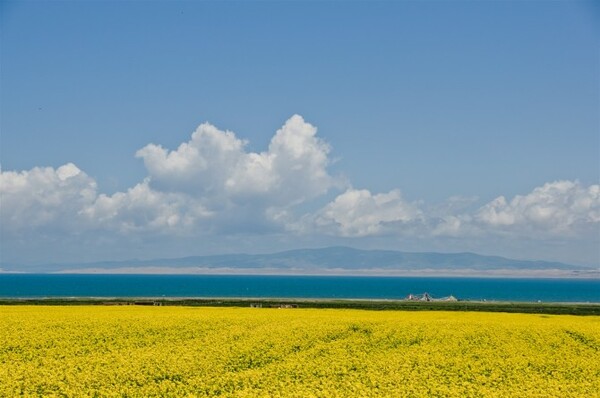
(343, 260)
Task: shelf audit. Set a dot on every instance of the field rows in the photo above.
(184, 351)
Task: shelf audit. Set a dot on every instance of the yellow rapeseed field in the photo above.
(132, 351)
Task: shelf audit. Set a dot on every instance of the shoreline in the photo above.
(376, 273)
(547, 308)
(177, 299)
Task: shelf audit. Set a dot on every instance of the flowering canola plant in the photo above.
(129, 351)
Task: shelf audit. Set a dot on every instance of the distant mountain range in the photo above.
(328, 261)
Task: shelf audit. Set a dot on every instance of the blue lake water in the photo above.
(49, 285)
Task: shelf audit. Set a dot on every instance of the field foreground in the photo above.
(200, 351)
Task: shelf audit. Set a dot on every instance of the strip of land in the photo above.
(378, 305)
(422, 272)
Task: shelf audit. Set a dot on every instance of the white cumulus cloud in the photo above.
(561, 207)
(199, 166)
(360, 213)
(44, 198)
(142, 209)
(214, 165)
(555, 210)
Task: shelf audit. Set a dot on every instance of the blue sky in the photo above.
(427, 113)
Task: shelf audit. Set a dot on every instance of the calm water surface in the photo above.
(545, 290)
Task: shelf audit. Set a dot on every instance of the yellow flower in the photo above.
(133, 351)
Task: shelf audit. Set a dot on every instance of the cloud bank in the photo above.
(211, 186)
